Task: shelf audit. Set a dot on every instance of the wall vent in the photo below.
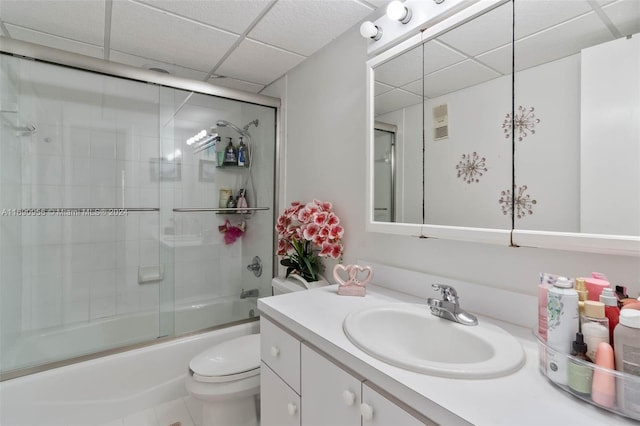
(440, 122)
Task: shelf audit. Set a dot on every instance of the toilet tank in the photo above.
(289, 285)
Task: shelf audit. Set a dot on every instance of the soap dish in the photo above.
(622, 389)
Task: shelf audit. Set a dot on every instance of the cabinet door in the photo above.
(377, 410)
(330, 395)
(281, 352)
(279, 404)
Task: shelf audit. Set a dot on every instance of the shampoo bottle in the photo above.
(611, 310)
(627, 356)
(595, 327)
(583, 294)
(595, 285)
(242, 154)
(562, 322)
(230, 155)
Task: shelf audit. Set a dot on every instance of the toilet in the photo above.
(226, 377)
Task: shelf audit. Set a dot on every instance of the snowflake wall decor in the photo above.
(524, 121)
(471, 167)
(523, 202)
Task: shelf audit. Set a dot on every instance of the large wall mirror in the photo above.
(518, 122)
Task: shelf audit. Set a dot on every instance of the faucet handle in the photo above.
(449, 293)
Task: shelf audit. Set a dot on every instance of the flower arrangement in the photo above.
(307, 232)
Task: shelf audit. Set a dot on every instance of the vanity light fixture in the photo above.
(370, 30)
(195, 138)
(399, 12)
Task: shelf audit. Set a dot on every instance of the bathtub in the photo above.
(63, 342)
(99, 390)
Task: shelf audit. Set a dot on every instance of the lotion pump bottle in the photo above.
(595, 327)
(611, 310)
(562, 321)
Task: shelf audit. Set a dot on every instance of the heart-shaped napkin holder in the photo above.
(352, 279)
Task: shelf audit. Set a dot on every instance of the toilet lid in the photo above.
(235, 356)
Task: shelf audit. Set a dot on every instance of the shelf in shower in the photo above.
(220, 210)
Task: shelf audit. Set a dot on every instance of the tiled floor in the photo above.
(185, 411)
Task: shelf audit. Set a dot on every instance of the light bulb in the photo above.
(398, 12)
(370, 30)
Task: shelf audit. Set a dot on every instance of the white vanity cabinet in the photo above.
(279, 376)
(300, 386)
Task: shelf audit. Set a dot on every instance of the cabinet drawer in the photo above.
(280, 351)
(279, 404)
(377, 410)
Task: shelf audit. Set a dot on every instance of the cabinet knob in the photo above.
(349, 397)
(367, 411)
(292, 409)
(275, 351)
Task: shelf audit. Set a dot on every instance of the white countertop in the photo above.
(523, 398)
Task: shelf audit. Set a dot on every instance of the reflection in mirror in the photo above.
(384, 173)
(398, 102)
(577, 98)
(445, 97)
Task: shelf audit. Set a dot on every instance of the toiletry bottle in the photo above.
(580, 375)
(595, 327)
(603, 384)
(595, 284)
(242, 202)
(562, 323)
(611, 310)
(230, 155)
(583, 293)
(627, 355)
(546, 282)
(242, 154)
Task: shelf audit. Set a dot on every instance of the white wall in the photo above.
(325, 139)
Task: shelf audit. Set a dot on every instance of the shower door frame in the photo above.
(63, 58)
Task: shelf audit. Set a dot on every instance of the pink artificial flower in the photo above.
(332, 219)
(324, 205)
(336, 232)
(282, 247)
(304, 215)
(319, 239)
(336, 251)
(312, 208)
(319, 218)
(324, 232)
(326, 249)
(310, 231)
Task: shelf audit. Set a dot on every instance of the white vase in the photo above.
(295, 283)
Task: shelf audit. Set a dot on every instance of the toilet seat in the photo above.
(232, 360)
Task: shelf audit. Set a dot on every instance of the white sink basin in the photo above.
(408, 336)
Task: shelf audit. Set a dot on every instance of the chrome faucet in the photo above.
(249, 293)
(448, 307)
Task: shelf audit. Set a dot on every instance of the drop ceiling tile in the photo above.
(137, 61)
(44, 39)
(456, 77)
(305, 26)
(494, 27)
(498, 59)
(230, 15)
(438, 56)
(534, 16)
(625, 15)
(414, 87)
(146, 32)
(560, 41)
(402, 69)
(380, 88)
(258, 63)
(394, 100)
(233, 83)
(76, 20)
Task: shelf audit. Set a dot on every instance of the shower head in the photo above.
(244, 131)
